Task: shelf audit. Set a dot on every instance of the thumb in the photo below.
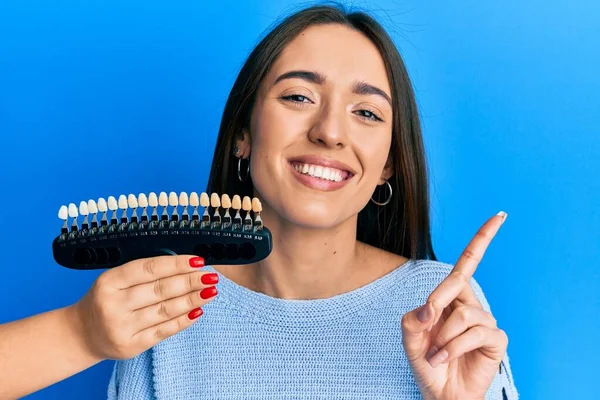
(416, 325)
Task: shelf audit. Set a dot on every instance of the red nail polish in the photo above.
(195, 313)
(210, 279)
(208, 292)
(196, 262)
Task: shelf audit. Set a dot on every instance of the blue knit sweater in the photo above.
(248, 345)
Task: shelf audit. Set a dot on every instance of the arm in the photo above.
(46, 348)
(127, 310)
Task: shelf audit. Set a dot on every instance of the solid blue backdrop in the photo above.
(104, 98)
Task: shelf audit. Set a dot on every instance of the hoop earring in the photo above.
(386, 200)
(239, 170)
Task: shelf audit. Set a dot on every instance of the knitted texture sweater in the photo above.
(248, 345)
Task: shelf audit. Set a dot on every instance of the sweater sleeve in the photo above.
(503, 386)
(132, 379)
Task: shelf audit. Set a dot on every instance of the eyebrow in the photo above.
(359, 87)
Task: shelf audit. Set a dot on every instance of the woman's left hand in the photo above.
(453, 345)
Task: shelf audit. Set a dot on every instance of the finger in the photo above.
(460, 320)
(459, 278)
(154, 334)
(492, 342)
(170, 287)
(150, 269)
(414, 327)
(169, 309)
(448, 288)
(473, 253)
(467, 296)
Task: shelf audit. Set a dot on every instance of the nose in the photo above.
(329, 129)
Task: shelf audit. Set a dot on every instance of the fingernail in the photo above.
(431, 352)
(438, 358)
(195, 313)
(424, 314)
(196, 262)
(208, 292)
(503, 215)
(210, 279)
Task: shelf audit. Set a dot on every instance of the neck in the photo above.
(307, 263)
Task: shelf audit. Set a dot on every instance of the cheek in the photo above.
(372, 151)
(271, 131)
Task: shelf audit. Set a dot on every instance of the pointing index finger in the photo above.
(455, 283)
(473, 253)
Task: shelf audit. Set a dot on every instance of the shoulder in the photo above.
(132, 378)
(421, 276)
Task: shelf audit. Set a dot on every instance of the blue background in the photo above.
(103, 98)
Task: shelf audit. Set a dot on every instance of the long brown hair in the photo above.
(402, 226)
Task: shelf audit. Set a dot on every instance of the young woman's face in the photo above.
(321, 128)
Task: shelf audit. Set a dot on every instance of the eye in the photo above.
(296, 98)
(368, 115)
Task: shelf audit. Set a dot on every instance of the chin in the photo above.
(313, 215)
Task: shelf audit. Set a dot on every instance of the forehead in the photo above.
(342, 54)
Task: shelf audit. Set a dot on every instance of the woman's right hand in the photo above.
(132, 307)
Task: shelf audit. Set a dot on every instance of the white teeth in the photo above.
(319, 171)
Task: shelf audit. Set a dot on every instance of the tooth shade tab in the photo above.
(92, 207)
(183, 199)
(112, 203)
(318, 171)
(215, 201)
(142, 200)
(83, 208)
(163, 199)
(225, 201)
(173, 200)
(194, 200)
(123, 202)
(73, 210)
(102, 207)
(63, 213)
(236, 204)
(246, 204)
(204, 200)
(256, 205)
(132, 201)
(153, 200)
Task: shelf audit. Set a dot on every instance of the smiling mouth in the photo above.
(321, 172)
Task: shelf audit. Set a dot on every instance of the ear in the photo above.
(388, 170)
(244, 142)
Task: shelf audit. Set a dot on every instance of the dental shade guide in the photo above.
(216, 236)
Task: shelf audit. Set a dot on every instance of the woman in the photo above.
(322, 126)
